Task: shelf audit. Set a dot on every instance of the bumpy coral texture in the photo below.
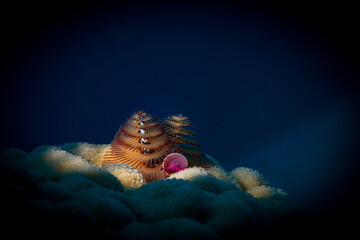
(63, 186)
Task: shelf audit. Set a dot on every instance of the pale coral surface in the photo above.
(63, 185)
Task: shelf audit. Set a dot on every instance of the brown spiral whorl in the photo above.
(142, 142)
(185, 140)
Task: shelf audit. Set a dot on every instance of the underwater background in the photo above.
(272, 86)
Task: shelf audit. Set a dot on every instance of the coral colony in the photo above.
(152, 181)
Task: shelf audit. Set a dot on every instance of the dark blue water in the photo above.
(271, 87)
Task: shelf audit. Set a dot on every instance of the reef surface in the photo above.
(62, 191)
